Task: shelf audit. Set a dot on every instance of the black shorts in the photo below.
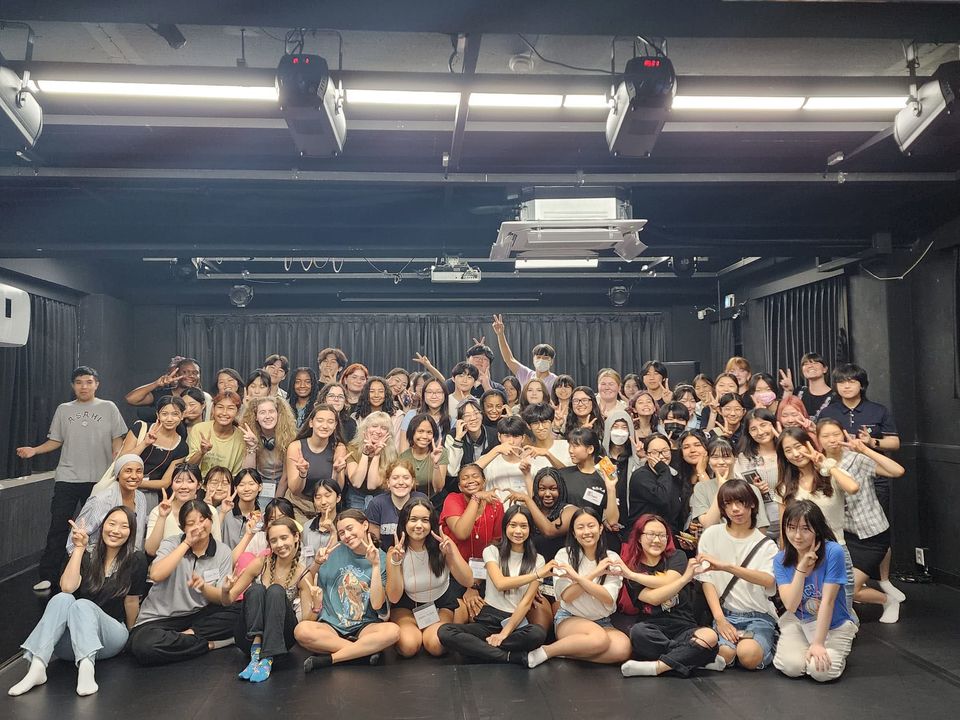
(354, 632)
(447, 601)
(867, 554)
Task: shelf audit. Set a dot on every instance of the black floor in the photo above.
(898, 671)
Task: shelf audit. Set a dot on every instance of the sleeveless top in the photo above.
(321, 466)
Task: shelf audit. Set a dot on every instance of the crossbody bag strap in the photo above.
(746, 561)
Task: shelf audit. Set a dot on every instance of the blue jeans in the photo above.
(763, 627)
(72, 629)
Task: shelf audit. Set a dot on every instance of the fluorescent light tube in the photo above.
(402, 97)
(732, 102)
(507, 100)
(856, 103)
(531, 264)
(166, 90)
(587, 101)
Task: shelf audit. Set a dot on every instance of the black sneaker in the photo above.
(517, 658)
(376, 659)
(315, 662)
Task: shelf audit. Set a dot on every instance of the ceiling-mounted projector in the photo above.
(641, 105)
(311, 105)
(932, 117)
(21, 119)
(454, 270)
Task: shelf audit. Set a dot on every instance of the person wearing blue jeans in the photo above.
(100, 597)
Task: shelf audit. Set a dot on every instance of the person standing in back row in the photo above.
(543, 357)
(90, 431)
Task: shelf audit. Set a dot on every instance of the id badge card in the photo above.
(308, 554)
(268, 491)
(593, 496)
(211, 576)
(478, 568)
(426, 615)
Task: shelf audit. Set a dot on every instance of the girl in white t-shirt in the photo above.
(588, 597)
(501, 632)
(419, 569)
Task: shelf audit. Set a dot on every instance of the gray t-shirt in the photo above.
(87, 431)
(173, 597)
(706, 490)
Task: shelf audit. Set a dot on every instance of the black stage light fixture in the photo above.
(618, 296)
(683, 266)
(641, 105)
(171, 33)
(311, 105)
(241, 295)
(931, 116)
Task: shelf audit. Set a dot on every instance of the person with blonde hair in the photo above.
(268, 427)
(368, 454)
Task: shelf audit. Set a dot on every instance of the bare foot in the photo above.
(188, 632)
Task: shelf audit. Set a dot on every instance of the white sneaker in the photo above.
(42, 586)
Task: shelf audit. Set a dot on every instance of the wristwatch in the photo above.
(826, 466)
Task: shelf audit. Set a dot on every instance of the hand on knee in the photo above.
(832, 672)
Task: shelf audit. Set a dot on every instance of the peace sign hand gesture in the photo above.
(421, 359)
(854, 443)
(151, 437)
(446, 544)
(79, 535)
(323, 554)
(196, 583)
(809, 559)
(227, 504)
(786, 380)
(205, 444)
(340, 458)
(166, 503)
(316, 594)
(250, 438)
(498, 326)
(167, 379)
(371, 552)
(436, 453)
(667, 392)
(812, 454)
(399, 549)
(303, 466)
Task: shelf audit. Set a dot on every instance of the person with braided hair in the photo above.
(277, 593)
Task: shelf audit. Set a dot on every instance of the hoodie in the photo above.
(633, 462)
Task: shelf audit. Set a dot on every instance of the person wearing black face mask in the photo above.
(656, 488)
(673, 421)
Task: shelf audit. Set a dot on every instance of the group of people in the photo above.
(722, 521)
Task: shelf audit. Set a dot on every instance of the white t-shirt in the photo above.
(419, 582)
(586, 605)
(560, 450)
(833, 507)
(744, 596)
(504, 477)
(506, 601)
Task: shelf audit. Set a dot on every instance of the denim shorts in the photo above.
(564, 614)
(763, 627)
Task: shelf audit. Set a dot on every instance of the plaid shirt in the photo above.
(95, 510)
(863, 515)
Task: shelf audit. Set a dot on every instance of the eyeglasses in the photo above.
(662, 537)
(582, 401)
(665, 453)
(797, 528)
(433, 392)
(338, 396)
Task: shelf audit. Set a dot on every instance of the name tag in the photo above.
(593, 496)
(268, 491)
(308, 554)
(478, 568)
(388, 529)
(426, 615)
(211, 576)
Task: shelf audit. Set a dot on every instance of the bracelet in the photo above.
(396, 564)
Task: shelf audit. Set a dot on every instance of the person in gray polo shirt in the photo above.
(182, 618)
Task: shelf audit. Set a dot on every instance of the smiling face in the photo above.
(800, 535)
(792, 451)
(398, 384)
(547, 492)
(353, 534)
(463, 383)
(652, 379)
(518, 530)
(433, 394)
(580, 453)
(302, 385)
(377, 394)
(472, 418)
(195, 519)
(813, 370)
(401, 482)
(216, 488)
(336, 398)
(283, 541)
(688, 400)
(586, 530)
(726, 385)
(85, 387)
(193, 410)
(512, 394)
(169, 416)
(226, 383)
(720, 463)
(328, 366)
(418, 525)
(325, 499)
(189, 375)
(225, 412)
(247, 489)
(581, 403)
(653, 540)
(184, 486)
(267, 415)
(276, 372)
(564, 392)
(257, 388)
(535, 393)
(471, 480)
(423, 436)
(115, 529)
(493, 407)
(790, 416)
(480, 362)
(355, 380)
(324, 424)
(658, 450)
(831, 437)
(376, 433)
(693, 450)
(703, 390)
(732, 412)
(761, 431)
(608, 388)
(130, 476)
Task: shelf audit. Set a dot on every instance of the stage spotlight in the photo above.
(618, 296)
(171, 33)
(683, 266)
(241, 295)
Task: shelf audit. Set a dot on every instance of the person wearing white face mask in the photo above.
(543, 357)
(618, 444)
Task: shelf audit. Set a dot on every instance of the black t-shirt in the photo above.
(680, 606)
(578, 483)
(109, 596)
(812, 403)
(155, 460)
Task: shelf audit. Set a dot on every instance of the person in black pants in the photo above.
(501, 632)
(90, 432)
(667, 637)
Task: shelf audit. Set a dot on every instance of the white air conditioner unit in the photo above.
(577, 208)
(561, 238)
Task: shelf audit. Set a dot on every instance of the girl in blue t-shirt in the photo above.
(817, 631)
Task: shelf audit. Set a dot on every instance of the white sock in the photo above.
(719, 664)
(36, 675)
(535, 657)
(86, 684)
(639, 668)
(892, 591)
(891, 611)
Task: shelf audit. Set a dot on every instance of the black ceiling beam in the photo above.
(925, 22)
(471, 54)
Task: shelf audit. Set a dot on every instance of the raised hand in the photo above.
(422, 360)
(151, 437)
(460, 430)
(170, 378)
(399, 549)
(498, 325)
(79, 535)
(436, 453)
(371, 552)
(340, 458)
(194, 535)
(205, 444)
(166, 503)
(316, 593)
(250, 438)
(853, 443)
(323, 554)
(481, 341)
(667, 392)
(228, 582)
(518, 497)
(812, 454)
(865, 437)
(446, 544)
(227, 504)
(808, 561)
(253, 522)
(196, 583)
(303, 466)
(786, 380)
(590, 423)
(777, 429)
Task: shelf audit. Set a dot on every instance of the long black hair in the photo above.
(686, 469)
(314, 387)
(572, 421)
(574, 551)
(748, 446)
(93, 573)
(805, 510)
(554, 515)
(434, 556)
(363, 407)
(529, 559)
(788, 474)
(245, 472)
(334, 487)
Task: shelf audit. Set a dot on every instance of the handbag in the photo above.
(109, 475)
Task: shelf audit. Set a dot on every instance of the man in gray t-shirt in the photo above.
(89, 431)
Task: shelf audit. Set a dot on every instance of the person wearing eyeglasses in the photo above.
(655, 488)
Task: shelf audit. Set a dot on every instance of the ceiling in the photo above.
(113, 181)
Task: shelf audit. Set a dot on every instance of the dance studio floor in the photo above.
(895, 671)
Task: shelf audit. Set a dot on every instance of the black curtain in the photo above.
(956, 322)
(584, 343)
(722, 345)
(811, 318)
(36, 378)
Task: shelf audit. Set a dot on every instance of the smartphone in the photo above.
(745, 634)
(753, 477)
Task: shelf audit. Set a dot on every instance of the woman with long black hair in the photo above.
(501, 632)
(549, 508)
(304, 388)
(99, 599)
